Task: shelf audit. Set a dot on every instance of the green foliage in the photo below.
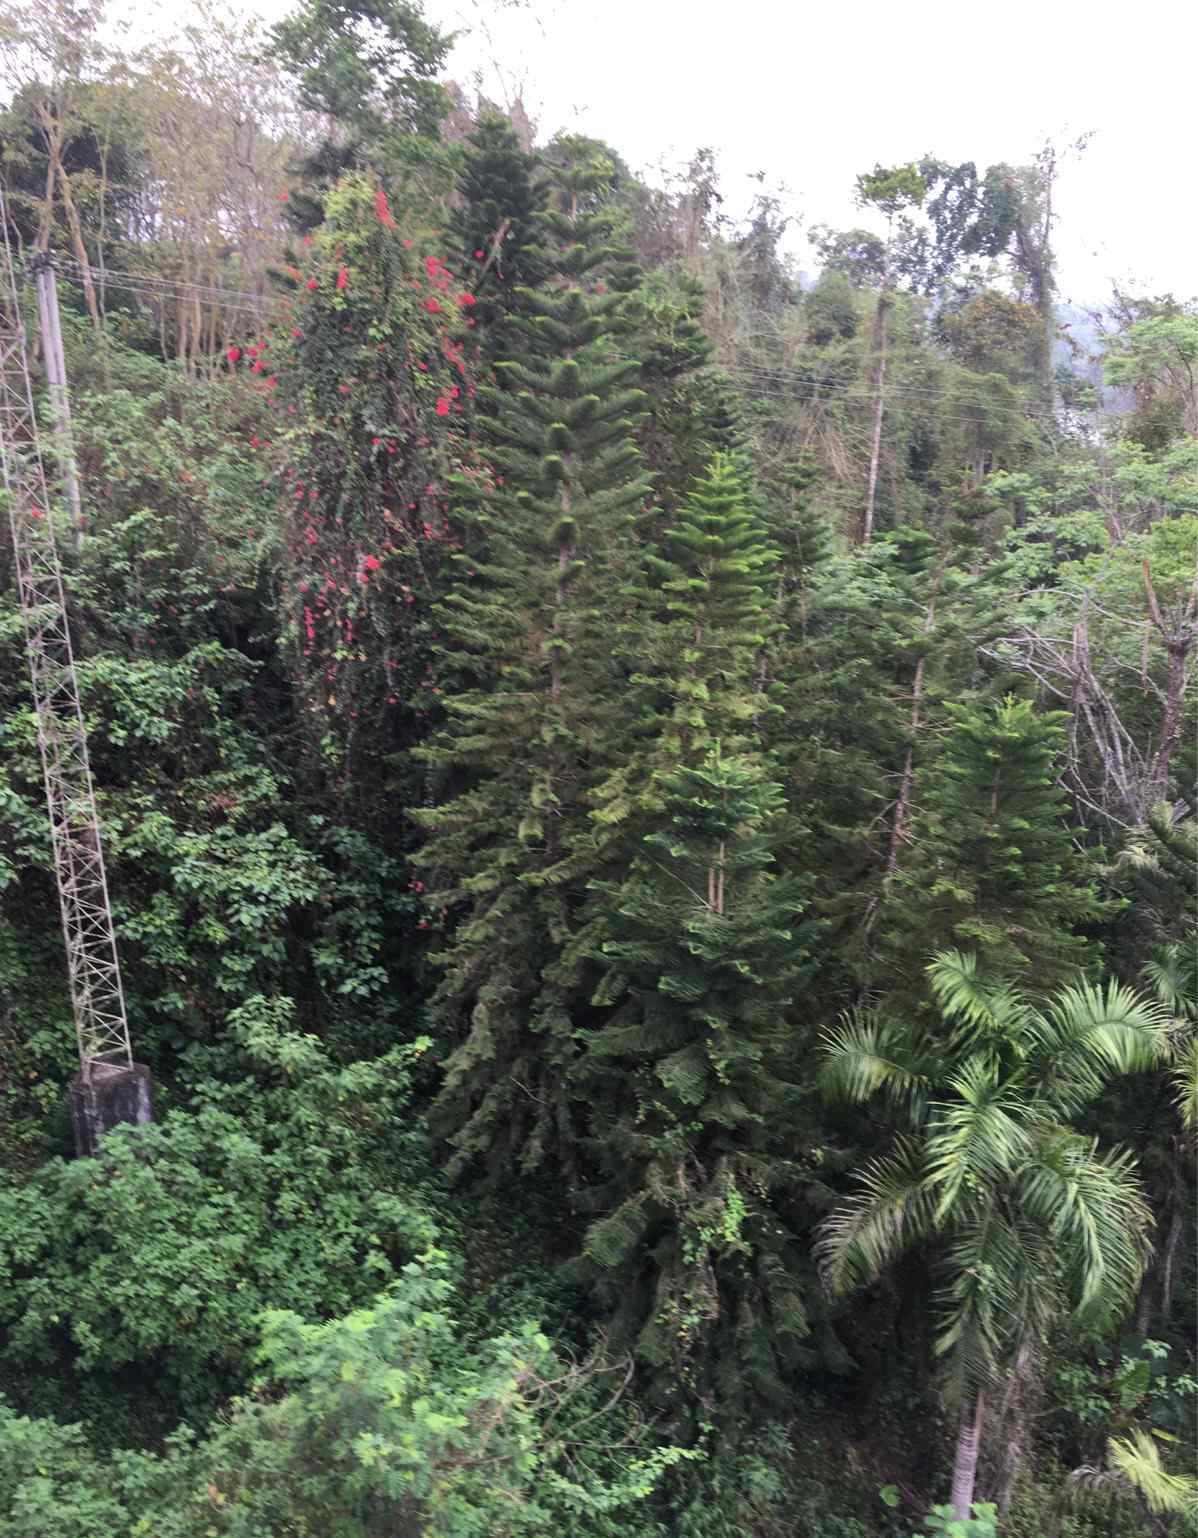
(1138, 1459)
(546, 517)
(693, 1253)
(383, 1421)
(277, 1189)
(447, 533)
(370, 66)
(495, 226)
(994, 868)
(375, 372)
(1027, 1216)
(943, 1521)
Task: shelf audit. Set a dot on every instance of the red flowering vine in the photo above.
(380, 208)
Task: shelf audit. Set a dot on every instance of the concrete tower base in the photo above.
(116, 1094)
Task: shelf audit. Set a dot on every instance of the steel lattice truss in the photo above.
(95, 978)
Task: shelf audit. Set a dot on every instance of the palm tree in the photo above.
(1134, 1469)
(1172, 974)
(1025, 1215)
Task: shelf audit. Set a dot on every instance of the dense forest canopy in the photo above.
(651, 816)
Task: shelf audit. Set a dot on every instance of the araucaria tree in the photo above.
(496, 227)
(994, 869)
(1025, 1218)
(705, 943)
(694, 1258)
(544, 519)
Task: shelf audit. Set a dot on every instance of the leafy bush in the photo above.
(162, 1253)
(380, 1423)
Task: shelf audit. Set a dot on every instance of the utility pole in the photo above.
(110, 1087)
(50, 327)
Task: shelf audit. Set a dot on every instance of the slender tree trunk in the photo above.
(1172, 1243)
(965, 1460)
(898, 828)
(77, 241)
(881, 340)
(1013, 1424)
(46, 217)
(60, 398)
(1178, 642)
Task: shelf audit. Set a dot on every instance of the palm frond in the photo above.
(986, 1264)
(891, 1212)
(1171, 975)
(1184, 1074)
(979, 1138)
(867, 1054)
(1086, 1036)
(1137, 1458)
(982, 1006)
(1091, 1207)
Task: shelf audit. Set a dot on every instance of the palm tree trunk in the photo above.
(965, 1460)
(1013, 1423)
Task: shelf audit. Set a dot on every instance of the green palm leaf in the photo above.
(891, 1211)
(984, 1008)
(979, 1138)
(1184, 1074)
(1091, 1206)
(1137, 1458)
(978, 1305)
(1089, 1035)
(868, 1053)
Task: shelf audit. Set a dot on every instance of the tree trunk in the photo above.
(1178, 639)
(60, 398)
(1013, 1424)
(898, 828)
(965, 1460)
(77, 241)
(882, 337)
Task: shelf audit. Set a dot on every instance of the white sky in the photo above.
(813, 94)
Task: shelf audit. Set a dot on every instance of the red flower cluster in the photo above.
(384, 213)
(342, 277)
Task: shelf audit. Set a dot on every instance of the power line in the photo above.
(148, 284)
(182, 286)
(799, 385)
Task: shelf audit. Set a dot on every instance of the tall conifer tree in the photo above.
(993, 867)
(549, 513)
(496, 228)
(704, 945)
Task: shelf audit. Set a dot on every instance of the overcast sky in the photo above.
(812, 94)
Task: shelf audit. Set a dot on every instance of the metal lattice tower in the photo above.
(95, 977)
